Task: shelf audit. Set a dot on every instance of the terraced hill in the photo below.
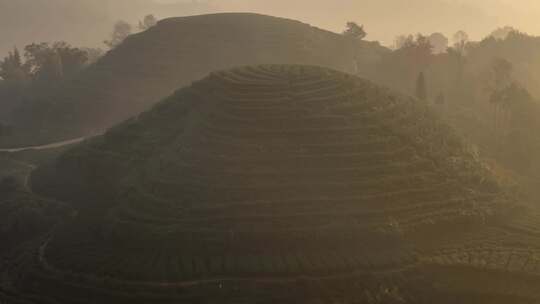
(278, 184)
(151, 65)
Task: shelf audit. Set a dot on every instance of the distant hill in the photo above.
(294, 183)
(25, 21)
(465, 85)
(150, 65)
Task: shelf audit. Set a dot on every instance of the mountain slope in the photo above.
(262, 184)
(152, 64)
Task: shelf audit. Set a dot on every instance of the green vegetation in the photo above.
(486, 90)
(276, 182)
(41, 69)
(149, 66)
(25, 216)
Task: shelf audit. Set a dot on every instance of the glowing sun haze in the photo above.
(26, 21)
(384, 19)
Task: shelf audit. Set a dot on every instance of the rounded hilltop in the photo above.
(150, 65)
(266, 174)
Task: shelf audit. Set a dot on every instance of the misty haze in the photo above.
(255, 151)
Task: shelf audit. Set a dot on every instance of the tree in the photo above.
(417, 51)
(503, 32)
(499, 74)
(398, 67)
(43, 62)
(12, 69)
(515, 116)
(439, 42)
(458, 56)
(54, 62)
(421, 91)
(73, 59)
(402, 41)
(120, 32)
(355, 31)
(420, 44)
(498, 83)
(460, 39)
(441, 99)
(93, 54)
(148, 22)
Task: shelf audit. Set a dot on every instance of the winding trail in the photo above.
(45, 147)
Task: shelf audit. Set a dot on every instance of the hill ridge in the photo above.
(150, 65)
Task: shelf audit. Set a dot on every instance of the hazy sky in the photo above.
(89, 22)
(384, 19)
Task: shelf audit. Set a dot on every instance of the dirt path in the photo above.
(45, 147)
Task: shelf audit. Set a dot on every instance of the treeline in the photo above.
(485, 89)
(39, 68)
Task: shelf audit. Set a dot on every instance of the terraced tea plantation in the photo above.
(280, 183)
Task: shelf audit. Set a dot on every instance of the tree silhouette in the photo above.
(73, 59)
(503, 32)
(44, 62)
(461, 38)
(53, 62)
(441, 99)
(439, 42)
(500, 91)
(354, 31)
(148, 22)
(421, 91)
(12, 69)
(120, 32)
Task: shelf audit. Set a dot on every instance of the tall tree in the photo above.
(499, 87)
(421, 90)
(460, 39)
(12, 69)
(43, 62)
(120, 32)
(73, 59)
(499, 74)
